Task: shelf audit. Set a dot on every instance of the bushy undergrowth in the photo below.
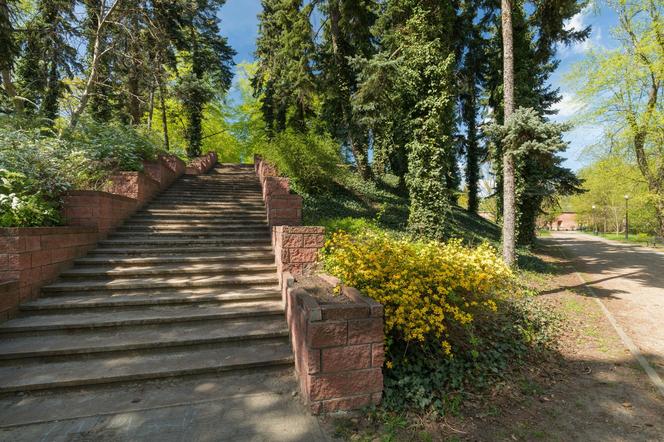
(310, 160)
(455, 318)
(40, 166)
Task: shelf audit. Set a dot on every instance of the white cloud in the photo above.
(578, 22)
(567, 107)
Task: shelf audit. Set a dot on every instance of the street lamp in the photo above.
(626, 216)
(593, 219)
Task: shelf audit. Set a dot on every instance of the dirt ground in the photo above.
(591, 389)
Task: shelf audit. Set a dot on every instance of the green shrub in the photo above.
(455, 319)
(113, 146)
(22, 204)
(310, 160)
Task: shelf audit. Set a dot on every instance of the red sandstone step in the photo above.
(258, 279)
(151, 298)
(144, 365)
(144, 337)
(169, 269)
(159, 251)
(207, 258)
(167, 314)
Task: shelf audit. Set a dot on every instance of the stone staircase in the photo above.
(186, 286)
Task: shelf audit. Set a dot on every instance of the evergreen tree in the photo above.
(48, 56)
(285, 81)
(347, 34)
(471, 78)
(210, 61)
(407, 97)
(534, 43)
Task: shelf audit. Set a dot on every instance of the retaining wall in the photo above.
(338, 348)
(35, 256)
(283, 208)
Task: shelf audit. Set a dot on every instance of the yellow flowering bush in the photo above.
(430, 290)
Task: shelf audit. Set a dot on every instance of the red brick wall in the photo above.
(201, 165)
(283, 208)
(32, 257)
(163, 171)
(136, 185)
(296, 248)
(339, 350)
(101, 210)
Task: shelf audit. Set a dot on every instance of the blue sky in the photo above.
(240, 25)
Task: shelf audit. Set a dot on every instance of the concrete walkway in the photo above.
(629, 280)
(256, 406)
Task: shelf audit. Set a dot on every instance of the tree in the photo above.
(471, 78)
(285, 81)
(509, 178)
(10, 51)
(347, 34)
(406, 96)
(47, 57)
(621, 89)
(606, 182)
(533, 142)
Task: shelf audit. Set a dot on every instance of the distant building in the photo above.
(564, 221)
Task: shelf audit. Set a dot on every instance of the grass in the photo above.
(634, 238)
(355, 204)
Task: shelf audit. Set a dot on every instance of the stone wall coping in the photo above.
(298, 229)
(56, 230)
(100, 193)
(360, 307)
(137, 174)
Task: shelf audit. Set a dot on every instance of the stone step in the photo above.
(153, 282)
(231, 390)
(262, 233)
(88, 300)
(219, 223)
(188, 228)
(247, 257)
(144, 365)
(178, 251)
(167, 269)
(238, 211)
(151, 241)
(201, 218)
(208, 204)
(144, 315)
(60, 343)
(201, 214)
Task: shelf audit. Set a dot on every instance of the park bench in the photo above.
(655, 240)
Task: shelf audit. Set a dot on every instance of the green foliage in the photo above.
(113, 147)
(22, 203)
(455, 321)
(606, 182)
(540, 178)
(621, 88)
(428, 381)
(38, 168)
(309, 159)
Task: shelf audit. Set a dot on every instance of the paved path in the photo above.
(233, 407)
(629, 280)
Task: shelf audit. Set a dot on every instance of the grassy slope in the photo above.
(383, 204)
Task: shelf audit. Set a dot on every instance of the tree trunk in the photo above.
(509, 179)
(164, 119)
(11, 91)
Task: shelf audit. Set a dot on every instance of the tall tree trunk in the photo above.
(164, 119)
(8, 84)
(6, 37)
(509, 179)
